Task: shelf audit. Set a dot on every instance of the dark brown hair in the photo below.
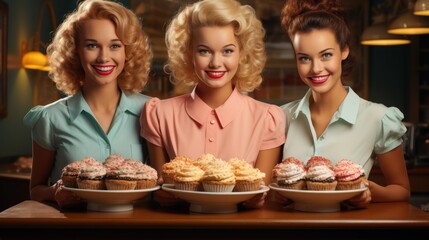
(307, 15)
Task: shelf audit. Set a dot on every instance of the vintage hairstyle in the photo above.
(307, 15)
(66, 69)
(247, 29)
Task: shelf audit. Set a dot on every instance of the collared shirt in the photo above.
(187, 126)
(358, 129)
(69, 128)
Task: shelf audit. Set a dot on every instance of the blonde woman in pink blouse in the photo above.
(218, 47)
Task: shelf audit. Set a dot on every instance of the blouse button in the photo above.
(212, 121)
(211, 139)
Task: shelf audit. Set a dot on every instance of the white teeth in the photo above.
(216, 73)
(104, 69)
(318, 78)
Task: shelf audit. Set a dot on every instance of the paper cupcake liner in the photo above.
(245, 186)
(300, 185)
(355, 184)
(217, 188)
(91, 184)
(116, 184)
(321, 186)
(191, 186)
(145, 183)
(69, 181)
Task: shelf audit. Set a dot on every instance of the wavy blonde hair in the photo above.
(66, 69)
(247, 29)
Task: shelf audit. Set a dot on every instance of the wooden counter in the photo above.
(385, 220)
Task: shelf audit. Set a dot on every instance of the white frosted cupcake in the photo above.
(219, 178)
(247, 178)
(188, 178)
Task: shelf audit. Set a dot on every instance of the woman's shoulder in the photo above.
(54, 109)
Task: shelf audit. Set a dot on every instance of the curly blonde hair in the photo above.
(66, 69)
(247, 29)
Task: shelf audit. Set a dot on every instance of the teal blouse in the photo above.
(358, 129)
(69, 128)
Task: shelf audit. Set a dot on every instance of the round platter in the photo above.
(111, 200)
(212, 202)
(317, 201)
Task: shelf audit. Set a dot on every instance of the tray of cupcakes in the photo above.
(210, 184)
(111, 186)
(319, 185)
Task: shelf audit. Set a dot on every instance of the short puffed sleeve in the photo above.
(275, 134)
(392, 130)
(149, 122)
(42, 132)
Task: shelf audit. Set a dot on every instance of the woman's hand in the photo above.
(64, 198)
(255, 202)
(362, 200)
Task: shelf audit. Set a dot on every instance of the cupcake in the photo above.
(188, 178)
(218, 178)
(247, 178)
(318, 160)
(204, 160)
(91, 175)
(320, 178)
(169, 169)
(348, 174)
(71, 171)
(119, 174)
(290, 174)
(146, 176)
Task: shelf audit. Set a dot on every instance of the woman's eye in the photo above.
(203, 51)
(228, 51)
(116, 46)
(326, 55)
(91, 45)
(304, 59)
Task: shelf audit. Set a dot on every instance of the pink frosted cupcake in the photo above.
(320, 178)
(318, 160)
(146, 176)
(91, 175)
(290, 174)
(349, 175)
(70, 172)
(119, 174)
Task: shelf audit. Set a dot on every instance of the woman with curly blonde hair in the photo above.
(100, 57)
(217, 46)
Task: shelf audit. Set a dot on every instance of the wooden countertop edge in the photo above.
(18, 223)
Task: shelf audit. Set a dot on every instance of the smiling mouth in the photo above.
(104, 70)
(215, 74)
(319, 79)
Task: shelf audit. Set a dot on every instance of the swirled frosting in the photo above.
(318, 160)
(289, 172)
(320, 173)
(345, 170)
(174, 165)
(143, 171)
(220, 173)
(92, 169)
(74, 168)
(189, 173)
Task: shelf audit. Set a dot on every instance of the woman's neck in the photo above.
(214, 97)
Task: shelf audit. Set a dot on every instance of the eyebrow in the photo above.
(94, 40)
(324, 50)
(228, 45)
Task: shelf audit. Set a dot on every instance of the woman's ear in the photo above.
(345, 53)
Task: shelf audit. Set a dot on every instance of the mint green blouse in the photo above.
(69, 128)
(358, 129)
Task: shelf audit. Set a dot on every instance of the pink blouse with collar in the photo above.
(186, 126)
